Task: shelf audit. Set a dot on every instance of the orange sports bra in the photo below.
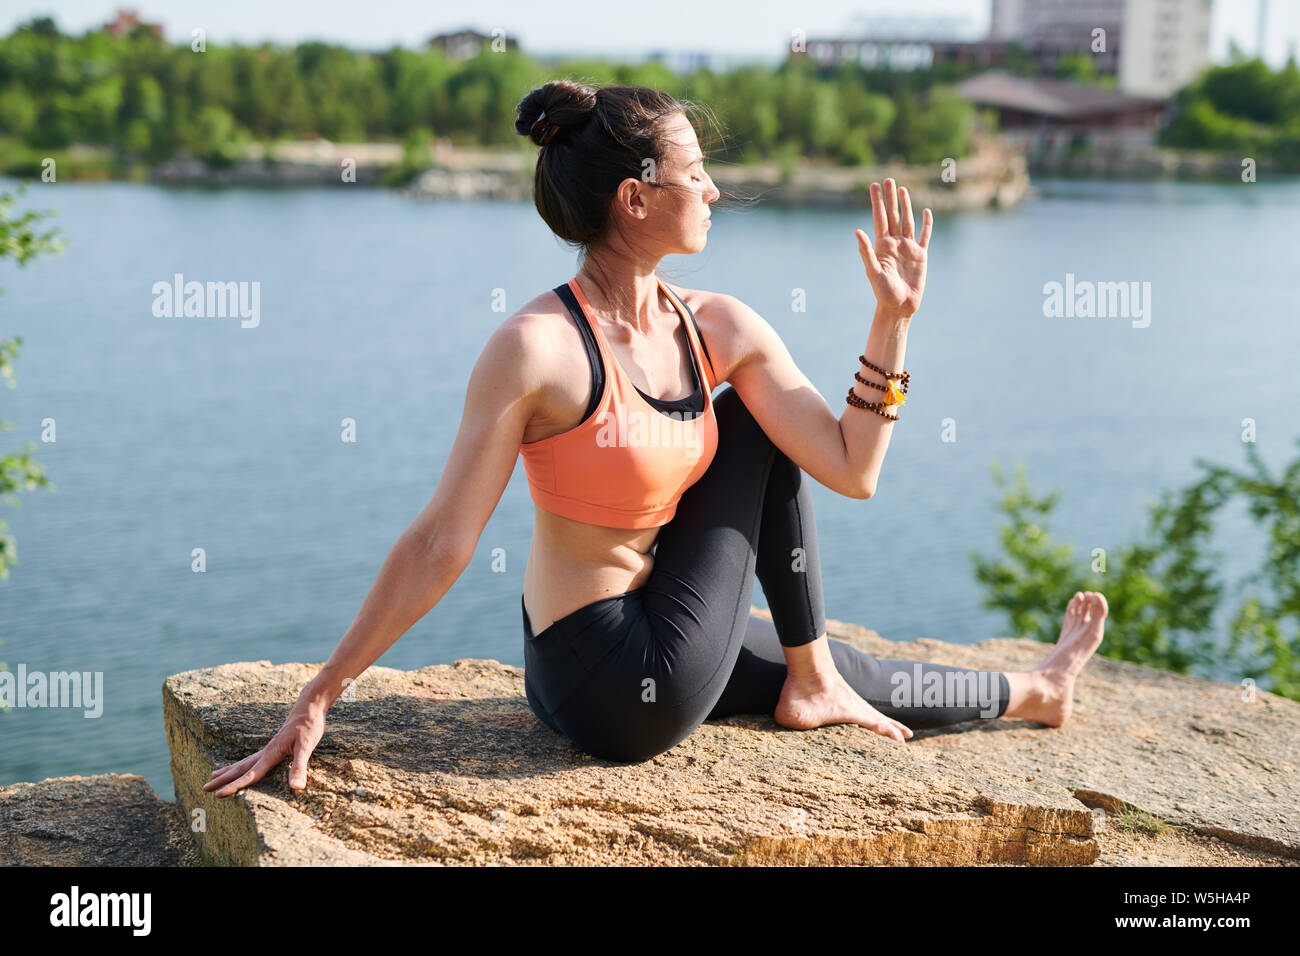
(629, 460)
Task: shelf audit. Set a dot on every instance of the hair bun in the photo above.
(550, 108)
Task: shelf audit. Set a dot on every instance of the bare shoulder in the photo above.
(537, 342)
(730, 328)
(537, 356)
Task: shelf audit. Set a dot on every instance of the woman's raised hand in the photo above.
(298, 737)
(896, 264)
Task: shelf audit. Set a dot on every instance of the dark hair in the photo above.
(604, 136)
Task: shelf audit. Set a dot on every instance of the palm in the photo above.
(896, 263)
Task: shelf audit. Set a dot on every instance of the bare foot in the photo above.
(817, 701)
(1049, 688)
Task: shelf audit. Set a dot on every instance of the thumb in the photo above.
(868, 253)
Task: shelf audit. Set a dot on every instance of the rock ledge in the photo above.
(447, 765)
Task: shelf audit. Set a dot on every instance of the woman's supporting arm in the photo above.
(413, 579)
(430, 554)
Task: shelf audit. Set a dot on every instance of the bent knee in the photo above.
(632, 745)
(734, 418)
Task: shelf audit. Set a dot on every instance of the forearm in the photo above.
(866, 433)
(414, 578)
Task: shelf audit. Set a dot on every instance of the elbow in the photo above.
(862, 490)
(454, 556)
(444, 551)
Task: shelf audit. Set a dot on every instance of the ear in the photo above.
(631, 197)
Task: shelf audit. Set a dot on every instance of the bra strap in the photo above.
(589, 342)
(700, 338)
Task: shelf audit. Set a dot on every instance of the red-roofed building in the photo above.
(126, 21)
(1046, 110)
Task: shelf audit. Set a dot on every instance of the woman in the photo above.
(655, 503)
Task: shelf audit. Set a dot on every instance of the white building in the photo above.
(1007, 20)
(1156, 46)
(1166, 45)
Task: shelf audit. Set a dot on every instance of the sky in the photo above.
(735, 29)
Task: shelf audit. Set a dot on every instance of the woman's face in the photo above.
(679, 216)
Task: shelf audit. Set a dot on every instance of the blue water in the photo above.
(175, 434)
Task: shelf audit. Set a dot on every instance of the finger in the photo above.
(878, 218)
(927, 221)
(231, 772)
(905, 207)
(868, 253)
(250, 759)
(298, 769)
(251, 777)
(891, 206)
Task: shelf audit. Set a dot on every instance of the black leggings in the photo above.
(632, 675)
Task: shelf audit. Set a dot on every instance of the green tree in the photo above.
(904, 138)
(943, 128)
(1163, 589)
(148, 100)
(1242, 107)
(20, 240)
(1076, 68)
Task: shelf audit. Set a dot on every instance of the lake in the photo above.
(182, 433)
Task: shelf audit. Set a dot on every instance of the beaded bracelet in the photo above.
(893, 395)
(876, 407)
(904, 374)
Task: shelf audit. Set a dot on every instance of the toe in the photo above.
(1102, 607)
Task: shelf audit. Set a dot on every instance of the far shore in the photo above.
(994, 175)
(997, 174)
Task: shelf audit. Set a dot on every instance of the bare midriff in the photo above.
(571, 564)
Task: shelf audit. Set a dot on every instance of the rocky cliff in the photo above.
(447, 765)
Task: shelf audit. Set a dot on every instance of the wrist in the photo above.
(892, 316)
(325, 688)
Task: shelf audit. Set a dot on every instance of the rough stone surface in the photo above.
(105, 820)
(447, 765)
(1203, 754)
